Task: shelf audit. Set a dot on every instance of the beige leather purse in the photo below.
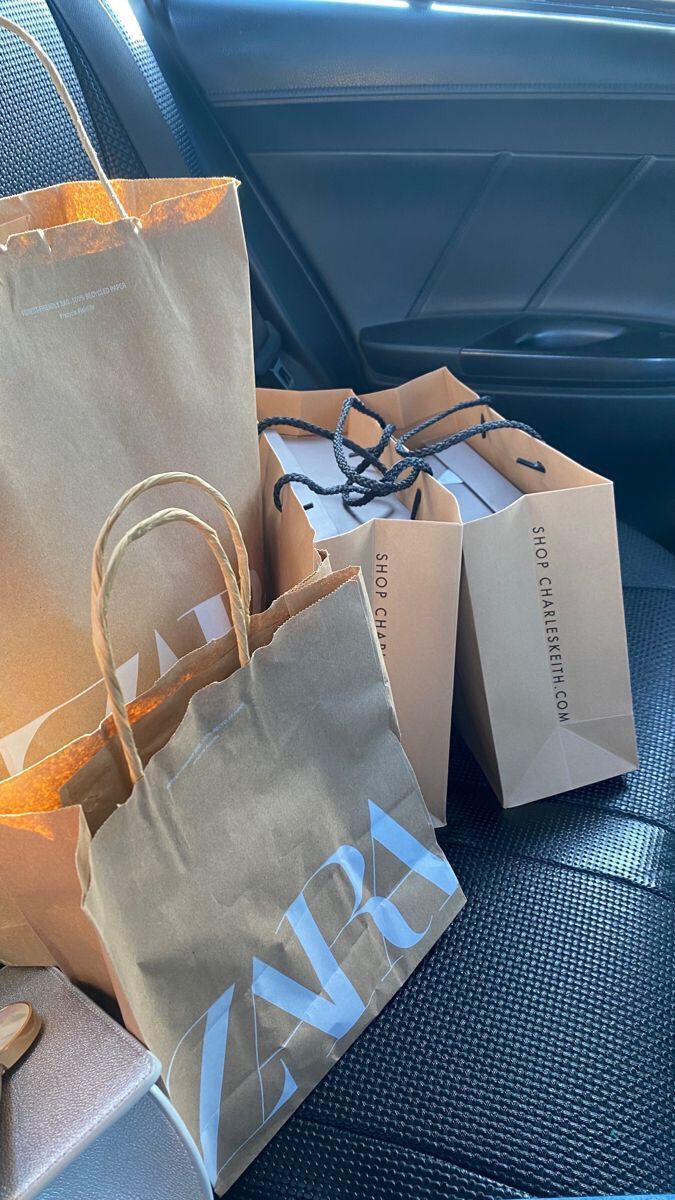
(80, 1117)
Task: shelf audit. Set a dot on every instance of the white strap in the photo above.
(70, 107)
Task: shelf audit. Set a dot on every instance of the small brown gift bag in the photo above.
(411, 563)
(272, 877)
(543, 692)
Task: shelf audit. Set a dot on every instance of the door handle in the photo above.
(530, 348)
(573, 350)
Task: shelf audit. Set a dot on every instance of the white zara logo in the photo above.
(266, 997)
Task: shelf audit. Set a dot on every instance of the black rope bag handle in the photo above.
(370, 456)
(463, 435)
(357, 490)
(396, 478)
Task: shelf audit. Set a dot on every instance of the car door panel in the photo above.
(489, 190)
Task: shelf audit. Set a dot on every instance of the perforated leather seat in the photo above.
(533, 1053)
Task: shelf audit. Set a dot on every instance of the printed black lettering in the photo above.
(550, 617)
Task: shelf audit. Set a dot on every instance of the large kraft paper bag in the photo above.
(543, 692)
(126, 350)
(273, 877)
(411, 571)
(41, 918)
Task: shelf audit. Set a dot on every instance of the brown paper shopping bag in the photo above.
(543, 688)
(411, 570)
(125, 316)
(273, 877)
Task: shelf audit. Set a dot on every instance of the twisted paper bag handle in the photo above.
(102, 581)
(70, 107)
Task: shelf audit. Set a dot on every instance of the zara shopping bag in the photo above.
(126, 335)
(273, 877)
(409, 548)
(543, 692)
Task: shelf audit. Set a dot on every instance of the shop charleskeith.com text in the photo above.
(555, 657)
(381, 593)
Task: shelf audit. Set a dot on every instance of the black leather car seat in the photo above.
(533, 1052)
